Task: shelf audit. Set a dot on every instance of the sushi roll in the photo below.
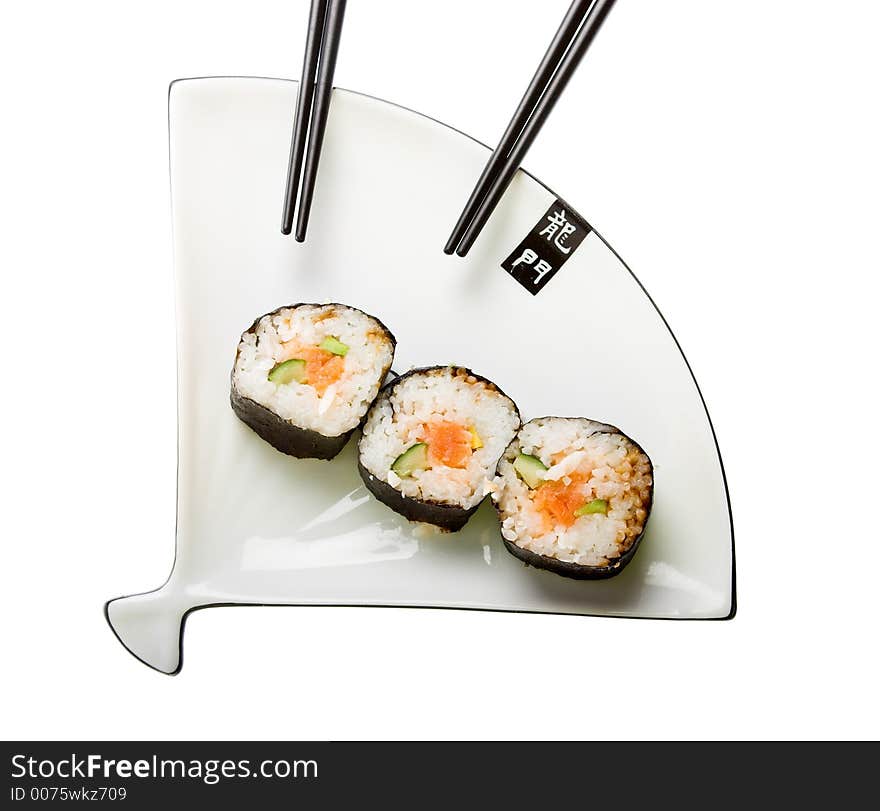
(305, 375)
(573, 497)
(431, 442)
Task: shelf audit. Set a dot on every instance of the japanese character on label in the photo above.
(541, 266)
(558, 230)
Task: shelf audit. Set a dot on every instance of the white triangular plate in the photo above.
(257, 527)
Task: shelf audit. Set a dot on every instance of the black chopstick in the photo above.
(570, 23)
(315, 34)
(312, 108)
(320, 110)
(491, 191)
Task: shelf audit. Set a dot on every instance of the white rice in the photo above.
(396, 422)
(344, 403)
(616, 469)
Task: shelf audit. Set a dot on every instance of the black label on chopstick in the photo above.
(547, 247)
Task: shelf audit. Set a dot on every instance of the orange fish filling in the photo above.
(557, 501)
(323, 368)
(448, 443)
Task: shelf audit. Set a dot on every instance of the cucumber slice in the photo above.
(288, 372)
(530, 469)
(411, 460)
(598, 506)
(334, 345)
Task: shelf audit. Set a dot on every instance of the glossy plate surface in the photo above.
(257, 527)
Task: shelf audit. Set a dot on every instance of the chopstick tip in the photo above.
(452, 242)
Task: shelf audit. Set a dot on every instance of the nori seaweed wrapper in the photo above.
(446, 516)
(578, 571)
(280, 433)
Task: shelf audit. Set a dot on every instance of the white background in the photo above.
(729, 152)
